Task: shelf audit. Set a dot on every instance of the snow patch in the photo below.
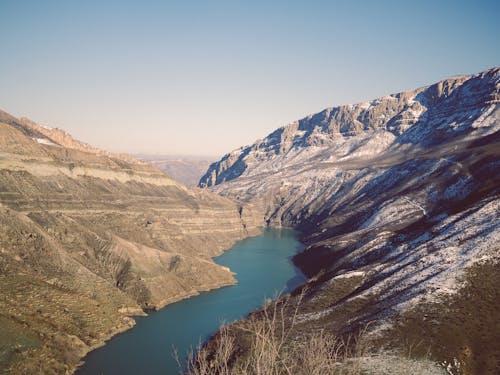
(348, 275)
(45, 141)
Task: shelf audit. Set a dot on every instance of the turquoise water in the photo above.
(264, 268)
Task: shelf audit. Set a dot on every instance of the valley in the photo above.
(249, 187)
(396, 199)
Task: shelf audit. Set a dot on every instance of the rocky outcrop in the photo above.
(348, 130)
(398, 200)
(88, 237)
(58, 137)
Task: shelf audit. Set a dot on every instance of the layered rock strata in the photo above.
(88, 238)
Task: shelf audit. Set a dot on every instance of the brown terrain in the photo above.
(88, 238)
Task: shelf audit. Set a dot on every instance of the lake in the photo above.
(263, 269)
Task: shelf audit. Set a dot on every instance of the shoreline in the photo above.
(130, 318)
(163, 304)
(170, 301)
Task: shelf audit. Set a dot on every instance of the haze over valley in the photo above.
(187, 169)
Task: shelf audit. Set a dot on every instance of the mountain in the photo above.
(398, 202)
(185, 169)
(88, 238)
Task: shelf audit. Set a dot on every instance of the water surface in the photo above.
(264, 268)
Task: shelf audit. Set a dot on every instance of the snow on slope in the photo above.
(399, 195)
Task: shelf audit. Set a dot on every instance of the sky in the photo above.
(206, 77)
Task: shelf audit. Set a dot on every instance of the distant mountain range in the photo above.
(185, 169)
(398, 200)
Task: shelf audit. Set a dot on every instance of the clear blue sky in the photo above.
(205, 77)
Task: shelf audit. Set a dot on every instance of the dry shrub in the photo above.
(271, 349)
(215, 361)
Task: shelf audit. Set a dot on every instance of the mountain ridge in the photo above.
(398, 202)
(341, 121)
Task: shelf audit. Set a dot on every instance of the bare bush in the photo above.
(271, 350)
(205, 362)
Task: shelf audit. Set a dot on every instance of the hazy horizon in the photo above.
(197, 78)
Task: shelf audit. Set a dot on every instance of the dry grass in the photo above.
(264, 345)
(461, 330)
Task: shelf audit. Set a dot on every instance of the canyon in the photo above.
(397, 200)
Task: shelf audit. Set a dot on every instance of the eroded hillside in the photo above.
(88, 238)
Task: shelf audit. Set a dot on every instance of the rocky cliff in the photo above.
(88, 238)
(398, 200)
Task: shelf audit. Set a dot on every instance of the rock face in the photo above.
(398, 199)
(88, 237)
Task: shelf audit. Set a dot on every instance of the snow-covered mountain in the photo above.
(398, 200)
(426, 116)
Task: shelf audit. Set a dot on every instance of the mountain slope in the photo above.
(398, 200)
(88, 237)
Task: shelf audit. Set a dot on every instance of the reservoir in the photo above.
(263, 268)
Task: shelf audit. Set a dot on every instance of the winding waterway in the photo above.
(263, 268)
